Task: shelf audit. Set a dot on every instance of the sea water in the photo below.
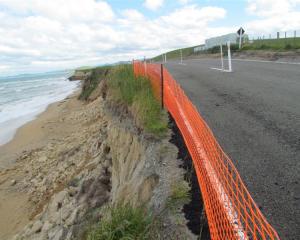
(23, 97)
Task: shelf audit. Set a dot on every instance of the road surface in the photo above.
(254, 113)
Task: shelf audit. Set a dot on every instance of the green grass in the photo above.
(273, 44)
(93, 81)
(123, 223)
(137, 94)
(180, 195)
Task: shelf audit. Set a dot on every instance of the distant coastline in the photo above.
(24, 97)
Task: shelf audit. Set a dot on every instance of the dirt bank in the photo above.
(78, 156)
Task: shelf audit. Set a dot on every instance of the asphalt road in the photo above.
(254, 113)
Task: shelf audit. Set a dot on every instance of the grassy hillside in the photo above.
(175, 54)
(266, 44)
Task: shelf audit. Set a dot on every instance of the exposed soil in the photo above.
(193, 211)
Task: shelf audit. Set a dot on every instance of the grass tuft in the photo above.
(123, 222)
(180, 195)
(137, 93)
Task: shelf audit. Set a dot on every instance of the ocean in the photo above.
(23, 97)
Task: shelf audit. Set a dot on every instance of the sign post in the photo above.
(222, 61)
(229, 57)
(240, 32)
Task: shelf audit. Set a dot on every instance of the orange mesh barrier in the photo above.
(231, 212)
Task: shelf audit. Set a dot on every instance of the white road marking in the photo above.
(265, 61)
(220, 69)
(250, 60)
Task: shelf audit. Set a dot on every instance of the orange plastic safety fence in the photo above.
(230, 210)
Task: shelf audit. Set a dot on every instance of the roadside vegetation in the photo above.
(124, 222)
(273, 44)
(137, 94)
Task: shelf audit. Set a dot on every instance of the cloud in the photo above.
(37, 38)
(153, 4)
(273, 15)
(63, 10)
(183, 1)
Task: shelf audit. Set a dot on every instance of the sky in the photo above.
(47, 35)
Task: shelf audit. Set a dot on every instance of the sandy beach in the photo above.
(50, 127)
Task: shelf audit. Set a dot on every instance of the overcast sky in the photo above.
(45, 35)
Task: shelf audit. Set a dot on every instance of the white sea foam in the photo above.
(21, 100)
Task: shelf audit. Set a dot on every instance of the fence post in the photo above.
(162, 85)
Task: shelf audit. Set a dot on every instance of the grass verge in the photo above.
(137, 93)
(273, 44)
(123, 222)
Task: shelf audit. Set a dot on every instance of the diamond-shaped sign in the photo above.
(241, 31)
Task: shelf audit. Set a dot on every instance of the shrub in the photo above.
(288, 46)
(180, 195)
(123, 223)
